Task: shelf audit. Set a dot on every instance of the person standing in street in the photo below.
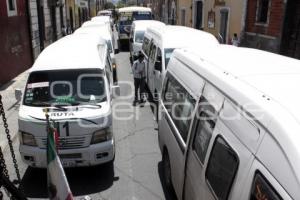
(139, 74)
(235, 41)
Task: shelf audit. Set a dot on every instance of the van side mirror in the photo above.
(115, 91)
(157, 66)
(131, 40)
(18, 94)
(117, 51)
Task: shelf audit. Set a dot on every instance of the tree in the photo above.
(109, 5)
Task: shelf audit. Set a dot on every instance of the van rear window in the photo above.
(262, 189)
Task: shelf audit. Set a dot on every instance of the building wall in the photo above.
(15, 51)
(187, 6)
(266, 37)
(236, 17)
(70, 4)
(37, 47)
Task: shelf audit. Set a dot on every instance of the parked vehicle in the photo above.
(104, 32)
(106, 19)
(136, 37)
(229, 125)
(105, 13)
(72, 78)
(159, 44)
(126, 16)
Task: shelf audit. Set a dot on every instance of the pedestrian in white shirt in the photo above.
(139, 74)
(235, 41)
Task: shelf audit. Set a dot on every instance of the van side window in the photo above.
(262, 189)
(180, 105)
(146, 45)
(153, 52)
(221, 169)
(203, 127)
(158, 56)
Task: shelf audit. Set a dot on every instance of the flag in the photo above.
(58, 186)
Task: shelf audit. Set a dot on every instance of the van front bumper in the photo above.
(95, 154)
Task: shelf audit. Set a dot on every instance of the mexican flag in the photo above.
(58, 186)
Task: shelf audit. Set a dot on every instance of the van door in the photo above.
(177, 111)
(217, 162)
(151, 61)
(157, 73)
(261, 184)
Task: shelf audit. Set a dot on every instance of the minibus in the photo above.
(229, 126)
(126, 16)
(136, 37)
(72, 79)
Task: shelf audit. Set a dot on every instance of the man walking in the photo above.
(139, 74)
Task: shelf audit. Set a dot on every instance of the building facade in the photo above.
(29, 26)
(47, 22)
(222, 18)
(273, 25)
(15, 40)
(185, 13)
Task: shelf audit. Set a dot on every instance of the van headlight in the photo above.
(114, 65)
(27, 139)
(102, 136)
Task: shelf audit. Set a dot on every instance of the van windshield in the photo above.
(141, 15)
(168, 53)
(139, 36)
(65, 87)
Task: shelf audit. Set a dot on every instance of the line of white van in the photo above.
(74, 79)
(136, 36)
(158, 46)
(229, 126)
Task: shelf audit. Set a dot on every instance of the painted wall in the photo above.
(236, 18)
(187, 6)
(15, 51)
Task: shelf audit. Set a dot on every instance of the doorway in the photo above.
(53, 23)
(223, 25)
(199, 15)
(41, 24)
(71, 19)
(290, 44)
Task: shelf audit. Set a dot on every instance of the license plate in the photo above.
(68, 163)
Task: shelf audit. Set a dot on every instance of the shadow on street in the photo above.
(169, 195)
(82, 181)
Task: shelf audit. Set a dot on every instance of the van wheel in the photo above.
(167, 170)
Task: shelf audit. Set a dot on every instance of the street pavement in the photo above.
(136, 174)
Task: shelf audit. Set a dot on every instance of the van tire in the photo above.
(167, 170)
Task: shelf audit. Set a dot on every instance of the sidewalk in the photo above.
(11, 107)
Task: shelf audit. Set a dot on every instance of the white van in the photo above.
(230, 125)
(104, 32)
(104, 18)
(126, 16)
(160, 42)
(136, 37)
(72, 78)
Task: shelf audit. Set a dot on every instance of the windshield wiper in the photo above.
(90, 106)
